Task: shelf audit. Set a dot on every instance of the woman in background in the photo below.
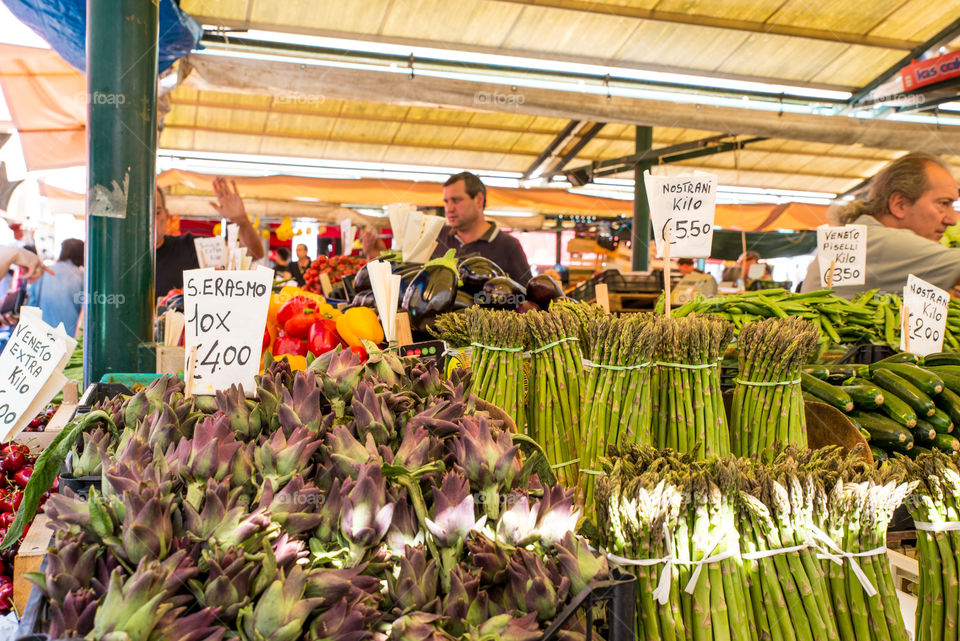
(59, 295)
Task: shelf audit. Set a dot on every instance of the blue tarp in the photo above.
(63, 24)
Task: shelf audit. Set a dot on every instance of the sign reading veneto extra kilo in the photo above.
(926, 307)
(686, 206)
(225, 313)
(845, 250)
(32, 358)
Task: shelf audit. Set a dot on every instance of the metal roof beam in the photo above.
(551, 150)
(718, 22)
(587, 136)
(942, 37)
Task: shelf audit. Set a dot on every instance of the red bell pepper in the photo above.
(267, 339)
(323, 337)
(293, 307)
(289, 345)
(299, 325)
(361, 352)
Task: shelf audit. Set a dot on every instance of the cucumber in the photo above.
(865, 434)
(918, 450)
(926, 381)
(923, 433)
(950, 375)
(865, 397)
(826, 392)
(902, 357)
(946, 443)
(884, 432)
(817, 371)
(949, 402)
(810, 397)
(878, 455)
(907, 391)
(941, 358)
(941, 422)
(840, 373)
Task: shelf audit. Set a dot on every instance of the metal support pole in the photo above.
(641, 208)
(121, 149)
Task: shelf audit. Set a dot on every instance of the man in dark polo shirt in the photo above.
(469, 232)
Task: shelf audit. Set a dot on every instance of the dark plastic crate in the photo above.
(865, 354)
(618, 596)
(95, 393)
(616, 282)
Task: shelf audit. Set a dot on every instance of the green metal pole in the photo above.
(121, 168)
(641, 208)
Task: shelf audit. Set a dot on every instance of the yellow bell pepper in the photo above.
(359, 323)
(297, 363)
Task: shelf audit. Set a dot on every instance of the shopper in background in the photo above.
(31, 266)
(281, 266)
(467, 230)
(299, 267)
(175, 254)
(59, 295)
(685, 266)
(908, 207)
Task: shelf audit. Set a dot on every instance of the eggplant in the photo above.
(502, 293)
(464, 300)
(527, 306)
(361, 280)
(542, 289)
(475, 271)
(364, 299)
(406, 278)
(432, 291)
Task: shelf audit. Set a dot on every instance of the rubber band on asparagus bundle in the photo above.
(544, 348)
(837, 555)
(662, 592)
(739, 381)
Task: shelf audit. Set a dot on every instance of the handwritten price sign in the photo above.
(225, 312)
(684, 205)
(844, 249)
(926, 306)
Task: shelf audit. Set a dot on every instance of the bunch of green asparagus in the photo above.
(935, 506)
(498, 340)
(791, 548)
(688, 409)
(767, 405)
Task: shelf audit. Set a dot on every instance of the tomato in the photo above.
(267, 339)
(289, 345)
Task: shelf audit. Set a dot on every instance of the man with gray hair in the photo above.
(908, 207)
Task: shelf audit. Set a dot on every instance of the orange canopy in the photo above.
(377, 192)
(47, 101)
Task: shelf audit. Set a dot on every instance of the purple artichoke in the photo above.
(366, 514)
(404, 529)
(453, 513)
(536, 587)
(209, 455)
(518, 524)
(555, 516)
(280, 457)
(73, 616)
(280, 612)
(505, 627)
(417, 448)
(245, 416)
(418, 626)
(295, 507)
(347, 453)
(579, 564)
(301, 406)
(371, 415)
(414, 587)
(489, 462)
(345, 621)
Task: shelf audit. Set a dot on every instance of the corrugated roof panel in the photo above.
(362, 16)
(569, 32)
(228, 142)
(295, 125)
(303, 147)
(359, 130)
(225, 9)
(182, 115)
(415, 156)
(850, 17)
(486, 139)
(340, 150)
(754, 10)
(374, 110)
(680, 46)
(426, 135)
(857, 66)
(475, 22)
(793, 59)
(918, 19)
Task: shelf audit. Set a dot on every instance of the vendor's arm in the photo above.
(372, 245)
(33, 267)
(230, 206)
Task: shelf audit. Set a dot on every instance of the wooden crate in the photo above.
(29, 558)
(629, 302)
(170, 359)
(38, 441)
